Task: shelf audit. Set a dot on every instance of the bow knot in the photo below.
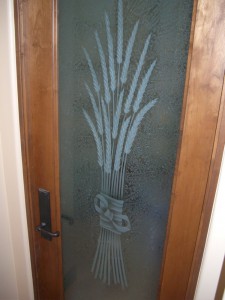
(110, 211)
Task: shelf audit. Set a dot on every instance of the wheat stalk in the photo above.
(96, 138)
(120, 144)
(111, 54)
(92, 70)
(134, 128)
(116, 117)
(95, 109)
(136, 76)
(128, 54)
(108, 158)
(104, 68)
(143, 86)
(120, 33)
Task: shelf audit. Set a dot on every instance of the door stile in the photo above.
(199, 129)
(182, 120)
(209, 197)
(37, 64)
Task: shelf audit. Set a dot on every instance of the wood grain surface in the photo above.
(209, 196)
(198, 136)
(36, 24)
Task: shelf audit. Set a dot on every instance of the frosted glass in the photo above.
(120, 90)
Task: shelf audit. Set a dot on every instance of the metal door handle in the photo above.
(41, 228)
(45, 227)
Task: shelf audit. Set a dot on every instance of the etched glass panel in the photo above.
(121, 78)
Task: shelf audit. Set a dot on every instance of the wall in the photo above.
(15, 271)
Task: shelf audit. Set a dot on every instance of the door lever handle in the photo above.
(45, 227)
(41, 228)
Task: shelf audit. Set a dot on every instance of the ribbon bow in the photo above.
(110, 211)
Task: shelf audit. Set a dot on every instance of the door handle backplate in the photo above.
(45, 227)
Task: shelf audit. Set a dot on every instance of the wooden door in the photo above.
(37, 62)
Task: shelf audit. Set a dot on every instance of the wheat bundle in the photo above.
(114, 131)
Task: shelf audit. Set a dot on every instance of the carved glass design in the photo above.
(122, 70)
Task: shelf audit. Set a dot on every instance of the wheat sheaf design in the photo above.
(114, 125)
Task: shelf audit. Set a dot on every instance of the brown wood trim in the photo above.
(37, 69)
(18, 15)
(187, 77)
(221, 284)
(186, 85)
(209, 197)
(194, 157)
(55, 87)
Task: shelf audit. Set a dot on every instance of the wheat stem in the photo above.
(99, 253)
(122, 264)
(112, 257)
(118, 85)
(105, 256)
(115, 258)
(102, 178)
(120, 32)
(102, 256)
(123, 175)
(114, 184)
(108, 255)
(96, 137)
(118, 245)
(113, 104)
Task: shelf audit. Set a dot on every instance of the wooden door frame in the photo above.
(202, 133)
(37, 72)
